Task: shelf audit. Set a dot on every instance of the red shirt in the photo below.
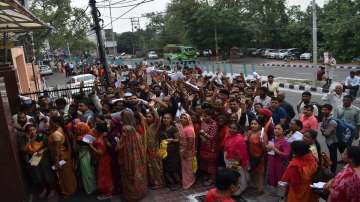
(308, 123)
(213, 196)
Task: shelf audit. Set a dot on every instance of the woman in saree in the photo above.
(169, 135)
(346, 184)
(153, 160)
(103, 171)
(40, 165)
(278, 156)
(115, 133)
(85, 166)
(236, 155)
(187, 150)
(60, 151)
(299, 174)
(222, 122)
(131, 153)
(256, 141)
(209, 146)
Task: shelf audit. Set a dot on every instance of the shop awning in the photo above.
(15, 18)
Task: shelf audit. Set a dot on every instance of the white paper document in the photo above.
(88, 139)
(318, 185)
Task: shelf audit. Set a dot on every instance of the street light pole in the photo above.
(95, 14)
(112, 28)
(314, 33)
(68, 48)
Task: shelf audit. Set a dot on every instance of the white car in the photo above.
(267, 52)
(75, 81)
(283, 53)
(207, 52)
(152, 55)
(45, 70)
(125, 56)
(306, 56)
(272, 54)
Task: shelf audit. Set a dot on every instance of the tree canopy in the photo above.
(253, 24)
(70, 26)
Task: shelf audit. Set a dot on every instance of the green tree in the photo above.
(340, 25)
(70, 25)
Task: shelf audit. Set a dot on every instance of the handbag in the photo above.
(323, 173)
(162, 152)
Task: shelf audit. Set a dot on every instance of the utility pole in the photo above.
(314, 33)
(216, 44)
(68, 47)
(135, 24)
(112, 28)
(96, 14)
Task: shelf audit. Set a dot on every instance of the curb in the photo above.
(286, 85)
(300, 87)
(306, 66)
(303, 88)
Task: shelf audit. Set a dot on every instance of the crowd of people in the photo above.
(155, 128)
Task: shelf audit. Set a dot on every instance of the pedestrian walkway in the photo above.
(165, 195)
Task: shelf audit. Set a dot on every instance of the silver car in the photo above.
(45, 70)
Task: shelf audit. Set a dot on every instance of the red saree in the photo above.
(235, 149)
(299, 176)
(209, 149)
(345, 186)
(103, 172)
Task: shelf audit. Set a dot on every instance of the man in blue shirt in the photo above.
(279, 114)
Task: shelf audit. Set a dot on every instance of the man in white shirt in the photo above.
(335, 97)
(272, 86)
(263, 98)
(352, 83)
(306, 100)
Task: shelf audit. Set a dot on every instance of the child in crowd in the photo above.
(226, 183)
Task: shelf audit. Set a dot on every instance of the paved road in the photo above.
(255, 64)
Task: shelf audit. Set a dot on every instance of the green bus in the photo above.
(178, 52)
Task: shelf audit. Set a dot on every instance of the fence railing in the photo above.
(67, 92)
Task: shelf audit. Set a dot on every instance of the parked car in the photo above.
(294, 53)
(249, 51)
(207, 53)
(273, 54)
(289, 53)
(45, 70)
(262, 52)
(281, 54)
(356, 59)
(306, 56)
(269, 52)
(152, 55)
(125, 56)
(75, 81)
(256, 52)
